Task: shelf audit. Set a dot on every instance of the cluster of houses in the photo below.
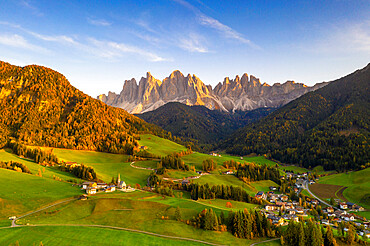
(280, 203)
(94, 187)
(215, 154)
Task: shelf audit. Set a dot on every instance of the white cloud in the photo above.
(193, 43)
(224, 30)
(109, 49)
(98, 22)
(346, 38)
(105, 49)
(18, 41)
(28, 5)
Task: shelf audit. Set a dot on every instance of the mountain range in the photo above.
(242, 93)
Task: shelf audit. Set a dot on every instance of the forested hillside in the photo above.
(328, 127)
(199, 124)
(38, 106)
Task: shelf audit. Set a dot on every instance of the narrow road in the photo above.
(143, 168)
(305, 186)
(270, 240)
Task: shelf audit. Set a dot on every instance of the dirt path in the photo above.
(143, 168)
(36, 211)
(270, 240)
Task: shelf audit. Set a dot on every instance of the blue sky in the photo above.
(99, 44)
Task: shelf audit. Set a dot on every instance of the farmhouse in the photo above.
(91, 190)
(330, 210)
(85, 185)
(110, 188)
(101, 185)
(273, 207)
(291, 217)
(343, 205)
(260, 195)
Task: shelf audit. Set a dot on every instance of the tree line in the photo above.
(200, 191)
(16, 166)
(36, 154)
(242, 224)
(251, 172)
(80, 171)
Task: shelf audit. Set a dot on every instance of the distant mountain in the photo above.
(245, 93)
(328, 127)
(200, 124)
(38, 106)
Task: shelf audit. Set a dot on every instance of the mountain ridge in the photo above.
(40, 107)
(328, 127)
(245, 93)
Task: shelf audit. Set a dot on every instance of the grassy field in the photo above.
(159, 146)
(151, 164)
(221, 204)
(106, 165)
(20, 192)
(63, 235)
(137, 210)
(197, 158)
(358, 184)
(48, 172)
(294, 169)
(178, 174)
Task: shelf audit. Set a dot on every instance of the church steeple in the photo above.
(119, 179)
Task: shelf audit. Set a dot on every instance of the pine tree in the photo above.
(329, 238)
(350, 235)
(178, 214)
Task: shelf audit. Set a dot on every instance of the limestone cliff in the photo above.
(245, 93)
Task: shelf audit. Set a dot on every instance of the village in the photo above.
(96, 187)
(280, 208)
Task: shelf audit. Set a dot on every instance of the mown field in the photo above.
(79, 236)
(139, 210)
(20, 192)
(48, 172)
(106, 165)
(159, 146)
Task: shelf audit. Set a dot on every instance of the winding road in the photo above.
(305, 186)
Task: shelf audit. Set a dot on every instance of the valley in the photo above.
(142, 215)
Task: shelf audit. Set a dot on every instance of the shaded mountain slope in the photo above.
(199, 124)
(328, 127)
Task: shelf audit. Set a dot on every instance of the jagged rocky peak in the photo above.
(242, 93)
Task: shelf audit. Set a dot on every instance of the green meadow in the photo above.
(197, 158)
(159, 146)
(106, 165)
(48, 172)
(20, 192)
(358, 184)
(79, 236)
(138, 210)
